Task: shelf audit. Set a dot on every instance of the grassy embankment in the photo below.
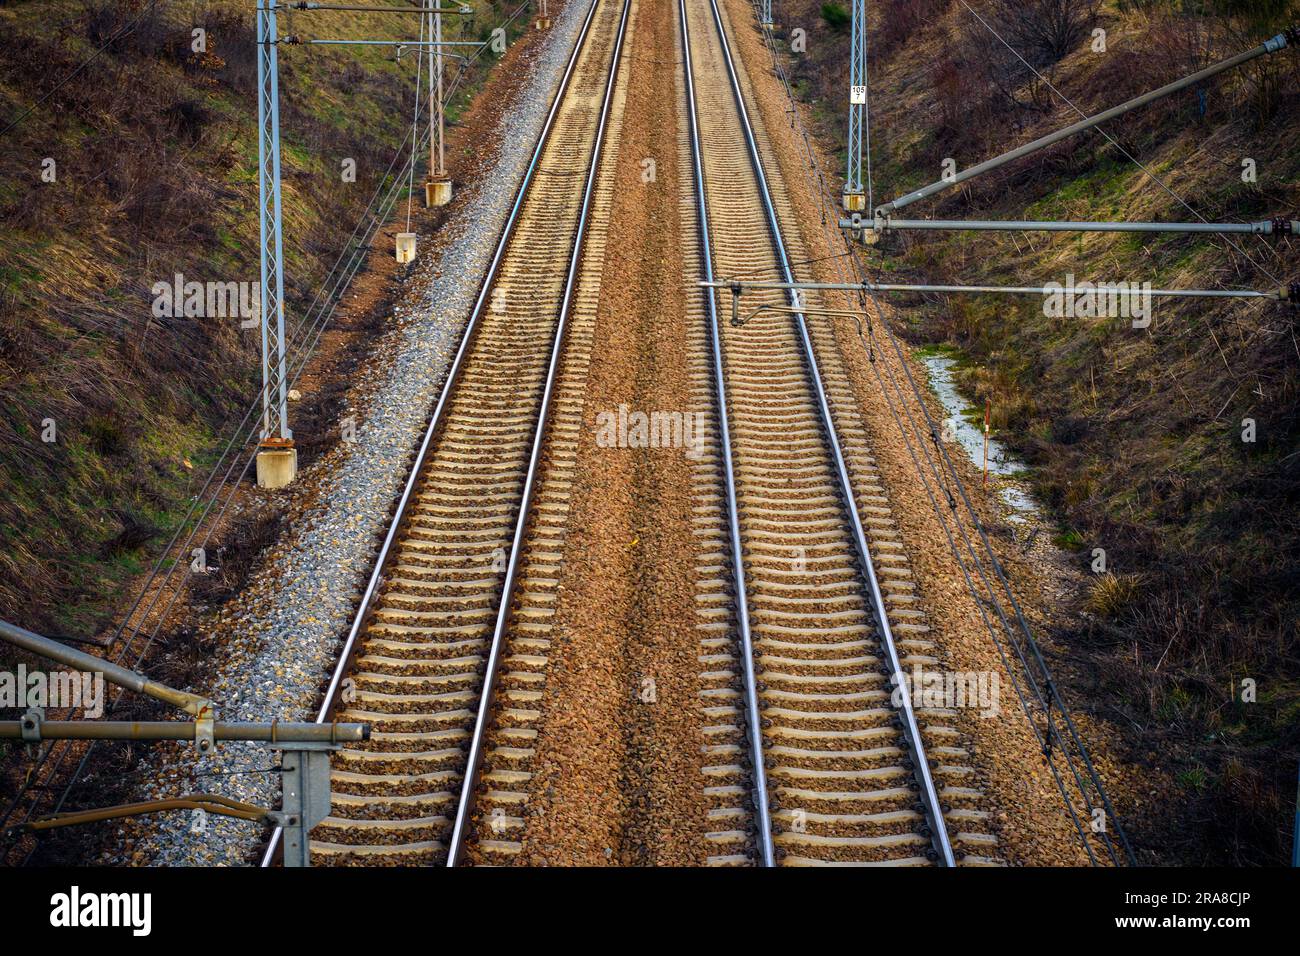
(155, 149)
(1135, 436)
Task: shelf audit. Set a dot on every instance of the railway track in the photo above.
(813, 758)
(448, 654)
(804, 598)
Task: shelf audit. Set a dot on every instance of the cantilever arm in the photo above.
(1290, 37)
(113, 673)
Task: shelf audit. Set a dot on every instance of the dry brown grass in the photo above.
(156, 153)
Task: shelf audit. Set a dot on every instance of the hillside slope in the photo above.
(1135, 435)
(132, 159)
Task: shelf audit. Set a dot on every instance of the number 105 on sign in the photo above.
(857, 95)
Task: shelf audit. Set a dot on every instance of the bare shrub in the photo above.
(126, 29)
(900, 19)
(231, 37)
(1044, 31)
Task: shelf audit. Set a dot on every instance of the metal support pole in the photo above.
(462, 9)
(305, 798)
(765, 14)
(396, 43)
(881, 223)
(277, 460)
(275, 383)
(304, 767)
(854, 199)
(437, 152)
(1278, 42)
(281, 734)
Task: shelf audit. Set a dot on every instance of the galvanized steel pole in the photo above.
(275, 388)
(854, 198)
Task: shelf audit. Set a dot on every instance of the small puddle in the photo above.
(965, 425)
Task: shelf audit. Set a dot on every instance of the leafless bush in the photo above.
(118, 24)
(230, 36)
(1044, 31)
(900, 19)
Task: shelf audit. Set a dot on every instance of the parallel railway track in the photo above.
(807, 760)
(807, 615)
(817, 760)
(448, 652)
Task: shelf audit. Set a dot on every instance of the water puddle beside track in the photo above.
(964, 426)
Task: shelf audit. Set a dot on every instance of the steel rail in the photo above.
(761, 803)
(910, 729)
(464, 808)
(435, 421)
